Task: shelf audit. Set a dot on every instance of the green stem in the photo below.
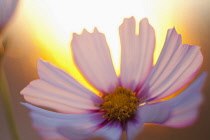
(6, 100)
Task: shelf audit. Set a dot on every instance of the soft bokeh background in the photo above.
(43, 28)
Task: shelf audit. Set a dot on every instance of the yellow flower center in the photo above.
(121, 104)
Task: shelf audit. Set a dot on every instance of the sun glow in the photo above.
(53, 23)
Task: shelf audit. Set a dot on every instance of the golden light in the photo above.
(43, 28)
(53, 23)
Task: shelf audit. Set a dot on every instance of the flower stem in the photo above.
(6, 100)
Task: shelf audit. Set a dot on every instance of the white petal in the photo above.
(176, 66)
(91, 55)
(137, 52)
(49, 123)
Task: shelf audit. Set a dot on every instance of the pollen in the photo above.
(120, 105)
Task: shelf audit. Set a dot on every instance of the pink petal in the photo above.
(137, 52)
(91, 55)
(133, 126)
(43, 94)
(176, 66)
(49, 123)
(59, 91)
(57, 77)
(154, 113)
(111, 131)
(185, 106)
(180, 111)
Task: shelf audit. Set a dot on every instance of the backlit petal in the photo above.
(111, 131)
(179, 111)
(185, 106)
(92, 56)
(133, 126)
(49, 123)
(137, 52)
(59, 91)
(176, 66)
(154, 113)
(59, 78)
(43, 94)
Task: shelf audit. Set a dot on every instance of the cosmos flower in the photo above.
(127, 101)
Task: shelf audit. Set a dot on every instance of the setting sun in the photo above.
(54, 22)
(52, 69)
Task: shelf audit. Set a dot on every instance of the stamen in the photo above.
(121, 104)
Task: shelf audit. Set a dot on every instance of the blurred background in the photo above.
(43, 29)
